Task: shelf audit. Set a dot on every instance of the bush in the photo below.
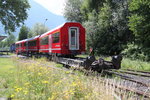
(135, 52)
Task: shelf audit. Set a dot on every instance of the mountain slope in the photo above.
(37, 13)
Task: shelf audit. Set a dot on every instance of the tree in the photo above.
(13, 13)
(91, 5)
(92, 31)
(107, 27)
(38, 29)
(23, 34)
(139, 21)
(72, 10)
(8, 41)
(113, 25)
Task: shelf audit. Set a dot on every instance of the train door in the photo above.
(73, 38)
(50, 43)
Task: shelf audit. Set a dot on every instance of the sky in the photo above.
(54, 6)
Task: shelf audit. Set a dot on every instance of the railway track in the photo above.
(140, 79)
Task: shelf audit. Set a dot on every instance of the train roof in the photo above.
(33, 38)
(21, 41)
(52, 30)
(60, 26)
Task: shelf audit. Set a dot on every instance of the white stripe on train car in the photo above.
(51, 49)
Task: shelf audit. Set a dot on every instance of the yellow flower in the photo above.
(45, 82)
(18, 89)
(74, 84)
(40, 74)
(54, 96)
(67, 72)
(56, 83)
(25, 92)
(12, 95)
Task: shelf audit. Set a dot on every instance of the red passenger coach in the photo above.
(32, 45)
(20, 46)
(67, 39)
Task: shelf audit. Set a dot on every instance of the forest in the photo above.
(114, 26)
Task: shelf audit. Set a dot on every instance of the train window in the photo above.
(25, 44)
(32, 43)
(22, 44)
(73, 37)
(55, 37)
(17, 45)
(44, 41)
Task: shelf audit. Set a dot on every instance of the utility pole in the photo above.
(45, 21)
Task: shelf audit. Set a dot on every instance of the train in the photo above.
(67, 39)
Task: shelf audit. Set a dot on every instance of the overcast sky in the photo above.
(54, 6)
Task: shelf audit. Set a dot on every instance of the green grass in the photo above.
(6, 64)
(135, 64)
(36, 79)
(31, 80)
(7, 68)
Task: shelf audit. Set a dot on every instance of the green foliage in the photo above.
(8, 41)
(23, 34)
(109, 30)
(112, 24)
(37, 29)
(91, 30)
(134, 51)
(72, 10)
(139, 24)
(139, 21)
(13, 13)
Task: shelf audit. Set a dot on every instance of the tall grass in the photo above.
(135, 64)
(5, 65)
(33, 81)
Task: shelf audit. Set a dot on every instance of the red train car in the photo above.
(20, 46)
(67, 39)
(32, 45)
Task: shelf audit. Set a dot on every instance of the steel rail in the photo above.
(134, 73)
(148, 72)
(128, 78)
(130, 89)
